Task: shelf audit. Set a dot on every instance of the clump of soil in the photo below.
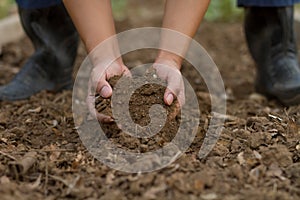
(142, 99)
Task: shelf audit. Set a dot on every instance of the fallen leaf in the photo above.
(257, 155)
(241, 159)
(55, 153)
(210, 196)
(4, 180)
(36, 110)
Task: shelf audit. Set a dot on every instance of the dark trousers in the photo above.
(260, 3)
(31, 4)
(267, 3)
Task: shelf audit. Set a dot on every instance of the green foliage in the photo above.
(5, 6)
(223, 10)
(119, 9)
(219, 10)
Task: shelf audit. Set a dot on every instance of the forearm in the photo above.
(185, 18)
(93, 20)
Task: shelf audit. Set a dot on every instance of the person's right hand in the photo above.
(98, 84)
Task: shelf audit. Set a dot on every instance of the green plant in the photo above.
(223, 10)
(119, 9)
(5, 6)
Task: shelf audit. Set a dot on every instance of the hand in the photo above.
(98, 84)
(169, 70)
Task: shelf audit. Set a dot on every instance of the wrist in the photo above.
(106, 52)
(168, 58)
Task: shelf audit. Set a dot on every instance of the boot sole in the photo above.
(295, 100)
(291, 101)
(68, 86)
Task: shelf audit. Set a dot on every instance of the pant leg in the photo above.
(32, 4)
(267, 3)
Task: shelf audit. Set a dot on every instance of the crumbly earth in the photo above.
(256, 157)
(139, 105)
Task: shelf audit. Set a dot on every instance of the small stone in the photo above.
(298, 147)
(210, 196)
(257, 97)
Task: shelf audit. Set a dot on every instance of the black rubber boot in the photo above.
(50, 68)
(271, 40)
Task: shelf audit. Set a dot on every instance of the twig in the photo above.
(275, 117)
(57, 178)
(46, 176)
(225, 117)
(56, 150)
(7, 155)
(67, 183)
(39, 151)
(72, 185)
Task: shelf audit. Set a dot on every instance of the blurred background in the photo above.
(6, 7)
(224, 10)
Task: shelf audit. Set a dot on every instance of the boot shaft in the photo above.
(270, 32)
(54, 37)
(50, 28)
(271, 40)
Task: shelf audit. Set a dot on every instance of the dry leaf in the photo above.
(55, 153)
(4, 180)
(36, 110)
(241, 159)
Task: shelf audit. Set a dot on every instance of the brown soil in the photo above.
(139, 105)
(256, 157)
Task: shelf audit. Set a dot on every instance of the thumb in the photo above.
(105, 90)
(168, 97)
(173, 89)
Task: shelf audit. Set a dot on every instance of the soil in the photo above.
(139, 105)
(256, 157)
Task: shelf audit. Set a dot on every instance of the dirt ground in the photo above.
(257, 156)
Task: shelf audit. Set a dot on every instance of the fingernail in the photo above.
(108, 120)
(169, 99)
(105, 91)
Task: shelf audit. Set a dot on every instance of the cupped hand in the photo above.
(169, 71)
(98, 84)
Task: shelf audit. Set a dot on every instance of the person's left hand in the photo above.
(169, 71)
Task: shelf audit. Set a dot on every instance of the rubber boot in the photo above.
(271, 41)
(50, 67)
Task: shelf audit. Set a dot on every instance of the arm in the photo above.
(184, 17)
(94, 22)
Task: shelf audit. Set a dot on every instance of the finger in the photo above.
(175, 111)
(104, 89)
(90, 100)
(127, 72)
(94, 113)
(181, 98)
(173, 89)
(168, 97)
(104, 118)
(177, 105)
(97, 80)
